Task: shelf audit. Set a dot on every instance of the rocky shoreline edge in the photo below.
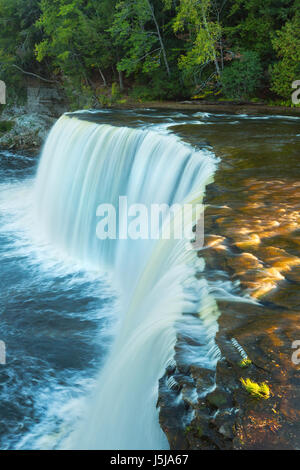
(228, 417)
(23, 131)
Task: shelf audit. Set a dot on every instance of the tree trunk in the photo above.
(33, 74)
(121, 80)
(102, 76)
(214, 52)
(160, 39)
(222, 54)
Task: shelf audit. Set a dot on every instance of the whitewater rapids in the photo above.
(83, 165)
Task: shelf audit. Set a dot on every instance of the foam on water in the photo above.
(84, 165)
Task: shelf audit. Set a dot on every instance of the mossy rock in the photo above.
(216, 399)
(196, 431)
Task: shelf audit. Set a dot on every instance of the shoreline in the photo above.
(217, 108)
(30, 129)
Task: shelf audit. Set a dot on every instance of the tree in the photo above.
(241, 79)
(17, 38)
(203, 33)
(136, 30)
(167, 48)
(286, 43)
(250, 23)
(75, 37)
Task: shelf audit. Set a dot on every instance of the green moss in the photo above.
(216, 399)
(115, 92)
(245, 363)
(256, 390)
(188, 429)
(6, 126)
(196, 431)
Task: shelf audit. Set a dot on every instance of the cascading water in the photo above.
(83, 165)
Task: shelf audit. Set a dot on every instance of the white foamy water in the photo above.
(84, 165)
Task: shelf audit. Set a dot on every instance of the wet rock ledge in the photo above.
(228, 417)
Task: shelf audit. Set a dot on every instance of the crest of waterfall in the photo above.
(84, 165)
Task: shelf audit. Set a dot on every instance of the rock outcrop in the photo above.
(30, 124)
(28, 132)
(42, 100)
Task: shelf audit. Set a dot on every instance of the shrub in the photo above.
(287, 46)
(115, 92)
(79, 96)
(241, 79)
(160, 87)
(6, 126)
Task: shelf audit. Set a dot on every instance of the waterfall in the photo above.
(83, 165)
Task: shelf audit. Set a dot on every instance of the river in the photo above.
(89, 330)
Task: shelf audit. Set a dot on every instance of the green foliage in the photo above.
(75, 38)
(136, 30)
(196, 20)
(155, 49)
(286, 43)
(256, 390)
(287, 103)
(188, 429)
(198, 431)
(241, 79)
(79, 98)
(160, 88)
(250, 23)
(17, 38)
(115, 91)
(6, 126)
(244, 363)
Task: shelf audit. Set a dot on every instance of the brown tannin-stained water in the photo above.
(252, 225)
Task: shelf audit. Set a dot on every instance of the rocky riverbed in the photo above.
(252, 225)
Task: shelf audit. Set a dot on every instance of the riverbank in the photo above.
(212, 107)
(23, 131)
(28, 130)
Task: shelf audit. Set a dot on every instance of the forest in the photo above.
(104, 51)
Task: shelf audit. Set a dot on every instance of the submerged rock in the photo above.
(229, 417)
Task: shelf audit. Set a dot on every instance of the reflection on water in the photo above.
(264, 230)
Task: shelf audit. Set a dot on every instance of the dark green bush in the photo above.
(6, 126)
(160, 87)
(243, 76)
